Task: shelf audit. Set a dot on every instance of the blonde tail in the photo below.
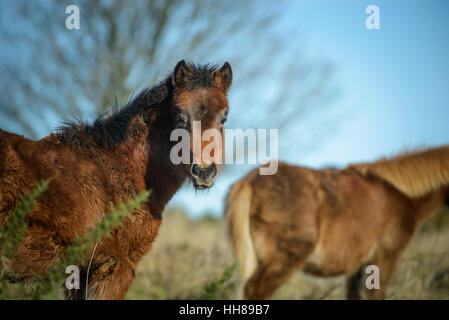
(237, 216)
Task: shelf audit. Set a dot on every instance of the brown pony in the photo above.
(111, 160)
(333, 222)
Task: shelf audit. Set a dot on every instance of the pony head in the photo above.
(201, 107)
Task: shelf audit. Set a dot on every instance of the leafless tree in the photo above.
(50, 72)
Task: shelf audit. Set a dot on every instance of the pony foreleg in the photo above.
(354, 284)
(386, 261)
(385, 258)
(108, 280)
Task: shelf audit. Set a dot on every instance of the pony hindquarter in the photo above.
(333, 222)
(110, 161)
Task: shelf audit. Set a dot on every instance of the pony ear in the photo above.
(223, 77)
(179, 73)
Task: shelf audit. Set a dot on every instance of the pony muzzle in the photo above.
(203, 176)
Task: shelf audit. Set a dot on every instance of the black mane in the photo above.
(108, 131)
(199, 76)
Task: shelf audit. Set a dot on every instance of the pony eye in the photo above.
(223, 120)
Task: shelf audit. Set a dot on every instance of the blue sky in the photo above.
(394, 80)
(394, 83)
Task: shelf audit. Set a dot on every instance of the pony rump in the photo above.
(415, 174)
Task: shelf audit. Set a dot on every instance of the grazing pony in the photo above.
(333, 222)
(111, 160)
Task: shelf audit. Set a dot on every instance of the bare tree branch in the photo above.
(123, 46)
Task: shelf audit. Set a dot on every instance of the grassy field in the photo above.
(192, 259)
(191, 254)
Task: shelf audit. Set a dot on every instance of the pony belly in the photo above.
(329, 262)
(318, 264)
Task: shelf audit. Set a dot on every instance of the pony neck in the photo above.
(141, 130)
(162, 176)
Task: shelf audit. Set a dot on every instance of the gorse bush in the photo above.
(11, 234)
(15, 228)
(49, 286)
(218, 288)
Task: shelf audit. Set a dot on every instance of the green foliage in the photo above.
(437, 222)
(13, 231)
(15, 227)
(48, 286)
(217, 287)
(82, 246)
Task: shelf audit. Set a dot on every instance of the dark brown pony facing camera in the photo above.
(333, 222)
(111, 160)
(202, 99)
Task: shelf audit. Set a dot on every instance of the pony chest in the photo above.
(141, 228)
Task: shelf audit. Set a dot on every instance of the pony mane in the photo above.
(111, 129)
(199, 76)
(415, 174)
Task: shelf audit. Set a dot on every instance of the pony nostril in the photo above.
(212, 168)
(196, 170)
(203, 173)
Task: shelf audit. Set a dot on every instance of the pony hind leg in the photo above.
(272, 273)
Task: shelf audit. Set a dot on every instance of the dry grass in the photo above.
(188, 254)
